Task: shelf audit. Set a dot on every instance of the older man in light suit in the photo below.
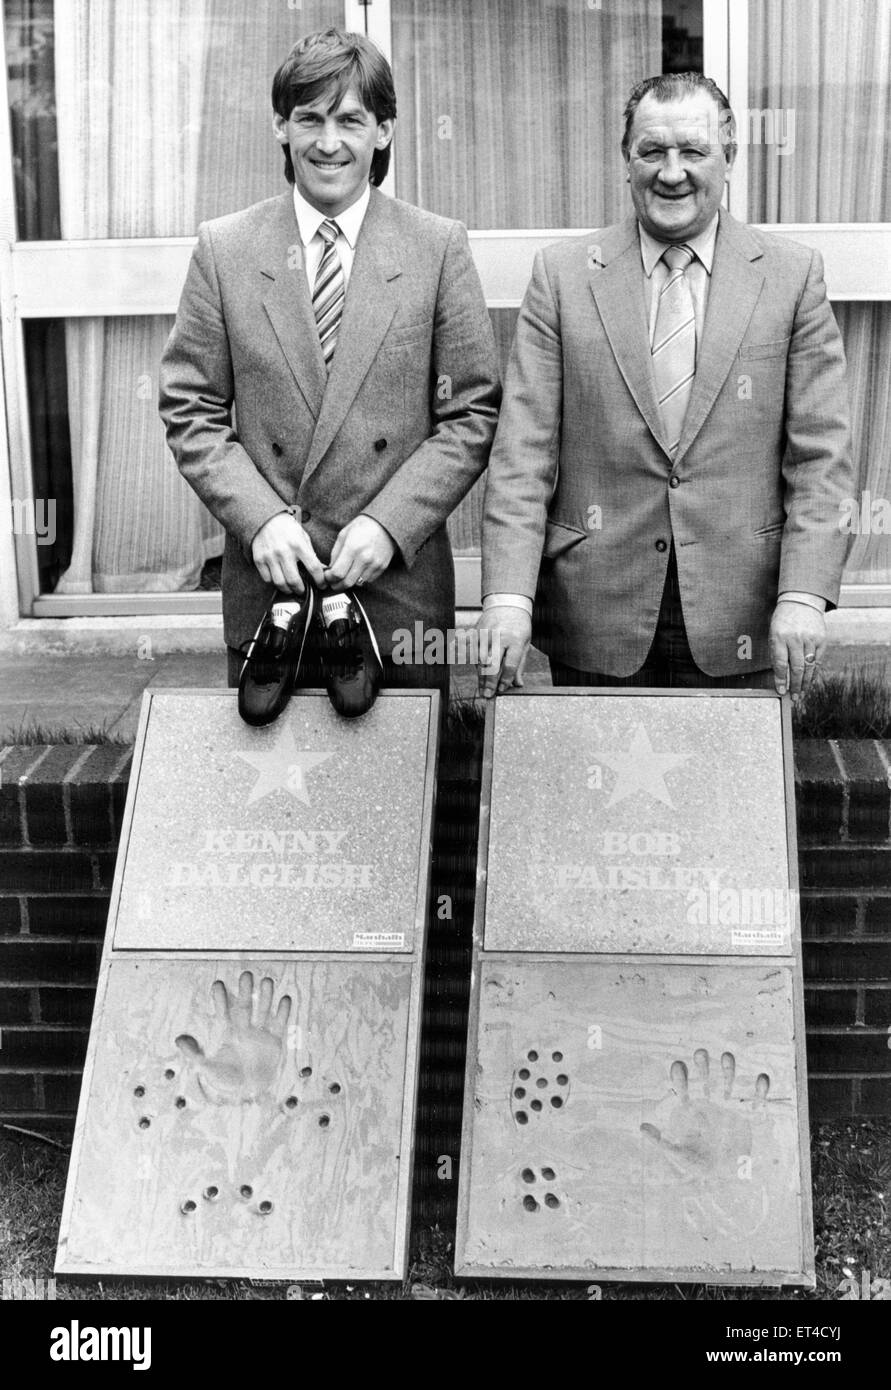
(674, 442)
(330, 386)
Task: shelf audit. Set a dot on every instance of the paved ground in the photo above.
(81, 692)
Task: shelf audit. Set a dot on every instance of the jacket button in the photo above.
(305, 516)
(277, 450)
(661, 545)
(380, 445)
(674, 481)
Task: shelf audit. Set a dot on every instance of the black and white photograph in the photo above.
(445, 639)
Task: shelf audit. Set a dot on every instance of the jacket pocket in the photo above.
(560, 537)
(777, 349)
(409, 334)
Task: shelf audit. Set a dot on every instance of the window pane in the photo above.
(510, 115)
(32, 111)
(143, 117)
(820, 111)
(51, 489)
(866, 329)
(122, 518)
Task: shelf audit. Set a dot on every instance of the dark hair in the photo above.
(333, 61)
(670, 86)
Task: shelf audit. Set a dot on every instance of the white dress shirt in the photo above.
(698, 273)
(309, 220)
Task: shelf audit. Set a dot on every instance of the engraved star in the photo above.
(641, 769)
(283, 768)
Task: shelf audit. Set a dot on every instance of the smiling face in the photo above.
(678, 165)
(332, 150)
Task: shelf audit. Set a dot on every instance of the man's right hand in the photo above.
(276, 550)
(505, 634)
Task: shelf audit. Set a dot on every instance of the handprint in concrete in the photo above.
(252, 1051)
(702, 1134)
(707, 1140)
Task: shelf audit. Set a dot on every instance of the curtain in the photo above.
(866, 329)
(828, 62)
(510, 116)
(164, 119)
(31, 88)
(129, 80)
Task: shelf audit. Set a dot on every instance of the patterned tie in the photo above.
(329, 292)
(674, 344)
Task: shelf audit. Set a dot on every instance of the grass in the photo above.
(849, 704)
(851, 1189)
(31, 734)
(464, 723)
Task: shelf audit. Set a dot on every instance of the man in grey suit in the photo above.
(674, 444)
(337, 424)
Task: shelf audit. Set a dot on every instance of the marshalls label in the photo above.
(378, 941)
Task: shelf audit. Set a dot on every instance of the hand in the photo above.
(362, 551)
(505, 634)
(276, 549)
(796, 631)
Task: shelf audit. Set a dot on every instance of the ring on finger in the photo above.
(810, 659)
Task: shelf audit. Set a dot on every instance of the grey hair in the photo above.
(669, 87)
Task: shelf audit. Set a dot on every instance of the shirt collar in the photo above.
(309, 219)
(703, 245)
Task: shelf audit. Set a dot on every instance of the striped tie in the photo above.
(674, 344)
(329, 292)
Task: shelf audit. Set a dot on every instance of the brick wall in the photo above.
(60, 817)
(843, 790)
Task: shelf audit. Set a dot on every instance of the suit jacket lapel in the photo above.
(617, 283)
(289, 305)
(371, 302)
(733, 291)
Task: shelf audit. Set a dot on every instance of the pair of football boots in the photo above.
(344, 639)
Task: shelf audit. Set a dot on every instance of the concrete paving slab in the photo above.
(79, 690)
(186, 669)
(68, 692)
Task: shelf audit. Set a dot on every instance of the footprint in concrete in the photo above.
(320, 1098)
(539, 1194)
(252, 1050)
(540, 1085)
(702, 1135)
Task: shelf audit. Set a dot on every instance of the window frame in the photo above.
(55, 279)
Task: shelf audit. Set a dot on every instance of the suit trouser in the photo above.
(669, 662)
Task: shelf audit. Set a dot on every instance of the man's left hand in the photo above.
(362, 551)
(797, 644)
